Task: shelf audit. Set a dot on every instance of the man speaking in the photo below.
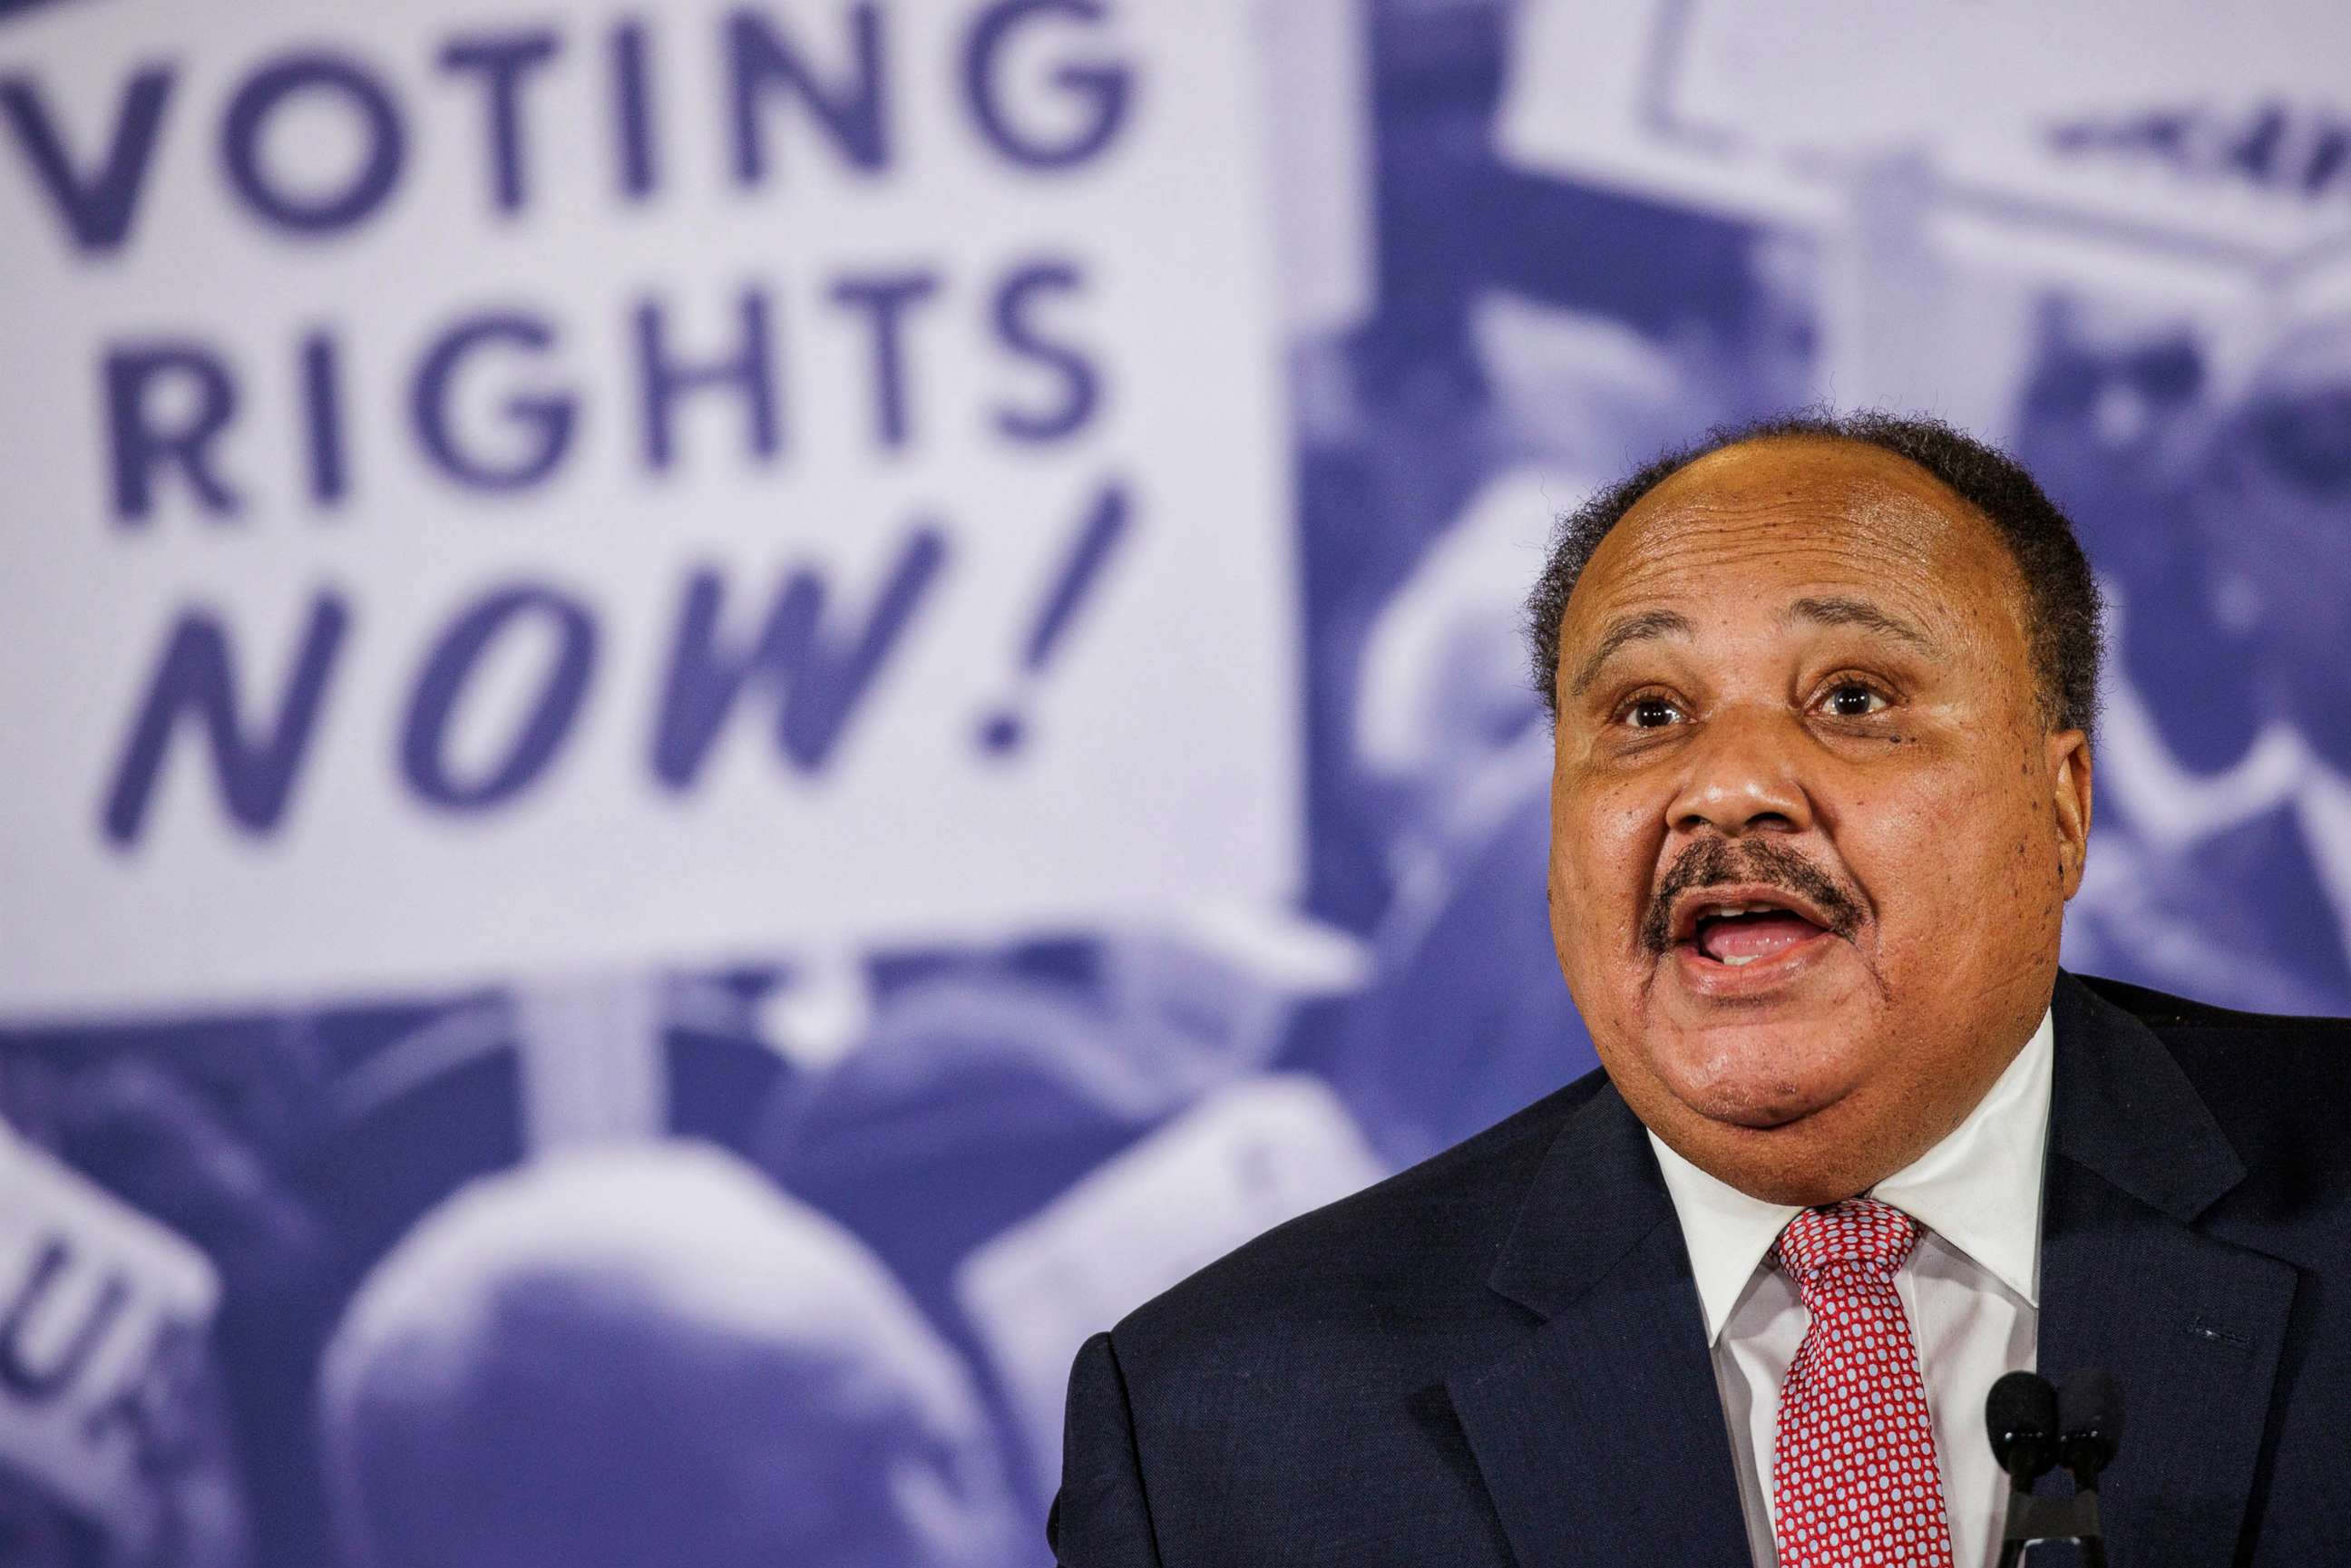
(1822, 693)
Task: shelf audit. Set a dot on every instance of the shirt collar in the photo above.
(1978, 1189)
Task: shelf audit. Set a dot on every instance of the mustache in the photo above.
(1716, 863)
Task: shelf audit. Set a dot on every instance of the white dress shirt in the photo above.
(1971, 1288)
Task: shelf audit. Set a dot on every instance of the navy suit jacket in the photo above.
(1499, 1356)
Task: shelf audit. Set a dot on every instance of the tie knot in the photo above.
(1858, 1230)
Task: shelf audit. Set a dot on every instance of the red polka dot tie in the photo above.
(1853, 1466)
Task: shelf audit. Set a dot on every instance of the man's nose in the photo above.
(1741, 775)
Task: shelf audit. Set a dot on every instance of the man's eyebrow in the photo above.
(1839, 611)
(1630, 629)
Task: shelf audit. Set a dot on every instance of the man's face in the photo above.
(1795, 682)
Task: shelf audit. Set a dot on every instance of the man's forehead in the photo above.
(1818, 477)
(1802, 508)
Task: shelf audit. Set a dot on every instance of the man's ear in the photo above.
(2069, 784)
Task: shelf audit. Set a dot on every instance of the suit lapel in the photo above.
(1600, 1436)
(2189, 1324)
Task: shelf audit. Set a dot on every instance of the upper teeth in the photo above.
(1714, 910)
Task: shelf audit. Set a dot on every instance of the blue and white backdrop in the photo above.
(722, 717)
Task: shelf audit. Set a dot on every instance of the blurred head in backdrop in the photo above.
(621, 1358)
(2114, 413)
(2278, 513)
(2121, 404)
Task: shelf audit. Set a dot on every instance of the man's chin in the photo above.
(1763, 1069)
(1776, 1107)
(1805, 1160)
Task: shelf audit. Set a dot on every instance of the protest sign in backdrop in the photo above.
(826, 457)
(103, 1315)
(2215, 139)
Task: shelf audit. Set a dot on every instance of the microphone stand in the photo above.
(2030, 1434)
(2032, 1519)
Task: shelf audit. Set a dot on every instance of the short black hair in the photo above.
(2066, 614)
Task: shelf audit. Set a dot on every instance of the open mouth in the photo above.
(1740, 934)
(1731, 928)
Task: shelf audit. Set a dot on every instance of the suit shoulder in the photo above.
(2298, 1069)
(2280, 1088)
(1397, 1248)
(2168, 1015)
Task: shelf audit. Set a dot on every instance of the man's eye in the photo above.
(1652, 712)
(1853, 700)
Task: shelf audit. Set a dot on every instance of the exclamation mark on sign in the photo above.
(1003, 731)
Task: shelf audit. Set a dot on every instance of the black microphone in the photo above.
(2020, 1416)
(2033, 1428)
(2089, 1423)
